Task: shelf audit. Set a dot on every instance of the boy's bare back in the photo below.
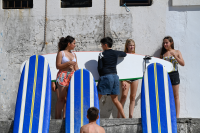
(92, 128)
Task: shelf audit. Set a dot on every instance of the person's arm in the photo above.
(100, 64)
(178, 56)
(121, 54)
(81, 130)
(53, 86)
(76, 66)
(64, 65)
(102, 130)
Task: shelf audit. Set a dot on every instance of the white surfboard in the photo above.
(130, 67)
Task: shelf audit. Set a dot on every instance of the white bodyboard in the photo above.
(130, 67)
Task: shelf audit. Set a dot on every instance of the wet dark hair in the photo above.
(163, 50)
(92, 113)
(108, 41)
(64, 42)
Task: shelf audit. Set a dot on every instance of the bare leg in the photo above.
(176, 98)
(124, 96)
(118, 105)
(60, 101)
(64, 108)
(133, 92)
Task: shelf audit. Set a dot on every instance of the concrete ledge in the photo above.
(185, 125)
(185, 2)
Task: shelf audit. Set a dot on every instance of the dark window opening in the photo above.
(136, 2)
(17, 4)
(76, 3)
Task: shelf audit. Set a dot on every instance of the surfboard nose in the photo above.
(82, 94)
(157, 102)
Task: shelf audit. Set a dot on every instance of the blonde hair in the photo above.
(128, 41)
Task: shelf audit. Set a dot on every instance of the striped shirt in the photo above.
(173, 61)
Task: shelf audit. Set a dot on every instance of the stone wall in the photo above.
(113, 126)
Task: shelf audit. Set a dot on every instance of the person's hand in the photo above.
(53, 86)
(123, 85)
(173, 53)
(72, 63)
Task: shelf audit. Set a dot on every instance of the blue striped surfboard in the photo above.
(82, 94)
(157, 101)
(33, 105)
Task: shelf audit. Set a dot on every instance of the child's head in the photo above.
(66, 42)
(167, 44)
(93, 114)
(129, 46)
(106, 43)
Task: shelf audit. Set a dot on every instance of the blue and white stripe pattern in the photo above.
(33, 106)
(157, 101)
(82, 94)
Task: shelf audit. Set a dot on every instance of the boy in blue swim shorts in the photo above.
(108, 83)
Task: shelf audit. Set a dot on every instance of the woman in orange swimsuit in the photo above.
(66, 63)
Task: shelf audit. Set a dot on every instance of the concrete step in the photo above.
(185, 125)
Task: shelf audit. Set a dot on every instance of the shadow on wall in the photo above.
(92, 67)
(157, 52)
(182, 8)
(53, 104)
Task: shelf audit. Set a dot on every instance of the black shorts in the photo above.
(174, 77)
(130, 81)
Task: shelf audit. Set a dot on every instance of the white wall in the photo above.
(183, 24)
(150, 25)
(185, 2)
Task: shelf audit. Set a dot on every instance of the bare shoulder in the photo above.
(59, 53)
(101, 129)
(74, 54)
(178, 52)
(83, 128)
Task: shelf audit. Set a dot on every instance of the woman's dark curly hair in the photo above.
(163, 50)
(64, 42)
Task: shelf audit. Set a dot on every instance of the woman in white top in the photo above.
(66, 63)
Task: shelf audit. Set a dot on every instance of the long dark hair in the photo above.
(163, 50)
(63, 43)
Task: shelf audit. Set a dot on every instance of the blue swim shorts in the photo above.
(108, 85)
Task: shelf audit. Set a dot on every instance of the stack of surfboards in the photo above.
(33, 105)
(82, 94)
(157, 101)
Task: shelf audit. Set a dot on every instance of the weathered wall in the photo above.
(148, 29)
(22, 35)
